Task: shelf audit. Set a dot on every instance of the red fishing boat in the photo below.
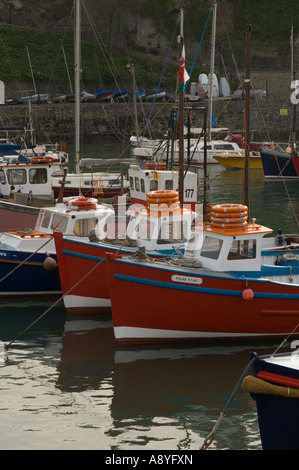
(239, 288)
(148, 233)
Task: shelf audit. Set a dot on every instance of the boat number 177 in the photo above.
(190, 192)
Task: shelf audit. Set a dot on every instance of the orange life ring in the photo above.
(229, 208)
(169, 200)
(155, 166)
(229, 226)
(163, 193)
(82, 202)
(42, 159)
(164, 207)
(225, 215)
(229, 220)
(162, 196)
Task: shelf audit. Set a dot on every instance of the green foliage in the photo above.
(108, 69)
(271, 20)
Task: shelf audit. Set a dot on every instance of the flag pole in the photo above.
(181, 111)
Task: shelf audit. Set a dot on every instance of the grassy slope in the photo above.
(270, 19)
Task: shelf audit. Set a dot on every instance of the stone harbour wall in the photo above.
(270, 119)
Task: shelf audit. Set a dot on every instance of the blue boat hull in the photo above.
(278, 416)
(277, 164)
(28, 278)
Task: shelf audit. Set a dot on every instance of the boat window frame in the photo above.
(169, 184)
(153, 185)
(38, 176)
(242, 249)
(11, 175)
(45, 219)
(137, 183)
(83, 227)
(59, 223)
(212, 252)
(176, 232)
(132, 186)
(3, 178)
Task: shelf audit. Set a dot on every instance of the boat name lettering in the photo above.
(2, 253)
(187, 279)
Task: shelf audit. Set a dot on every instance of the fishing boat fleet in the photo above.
(165, 266)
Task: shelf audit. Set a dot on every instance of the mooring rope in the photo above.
(26, 259)
(209, 439)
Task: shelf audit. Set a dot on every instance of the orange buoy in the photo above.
(247, 294)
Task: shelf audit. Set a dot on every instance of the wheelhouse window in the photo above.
(168, 184)
(211, 247)
(132, 182)
(2, 177)
(83, 227)
(137, 186)
(242, 249)
(224, 147)
(44, 219)
(142, 185)
(171, 232)
(153, 185)
(38, 176)
(59, 223)
(16, 176)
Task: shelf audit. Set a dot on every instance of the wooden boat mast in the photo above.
(211, 81)
(181, 119)
(247, 119)
(77, 81)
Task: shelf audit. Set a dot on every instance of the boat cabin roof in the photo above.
(220, 249)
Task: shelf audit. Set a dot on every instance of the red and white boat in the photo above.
(153, 176)
(244, 287)
(27, 184)
(82, 266)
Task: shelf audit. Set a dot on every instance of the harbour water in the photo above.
(65, 383)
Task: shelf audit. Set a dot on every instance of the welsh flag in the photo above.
(183, 75)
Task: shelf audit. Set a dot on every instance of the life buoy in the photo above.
(155, 166)
(82, 203)
(42, 159)
(229, 208)
(229, 216)
(229, 220)
(229, 226)
(162, 196)
(167, 201)
(225, 215)
(164, 207)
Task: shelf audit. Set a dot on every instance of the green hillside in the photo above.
(106, 66)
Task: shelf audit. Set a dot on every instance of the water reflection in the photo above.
(66, 384)
(159, 395)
